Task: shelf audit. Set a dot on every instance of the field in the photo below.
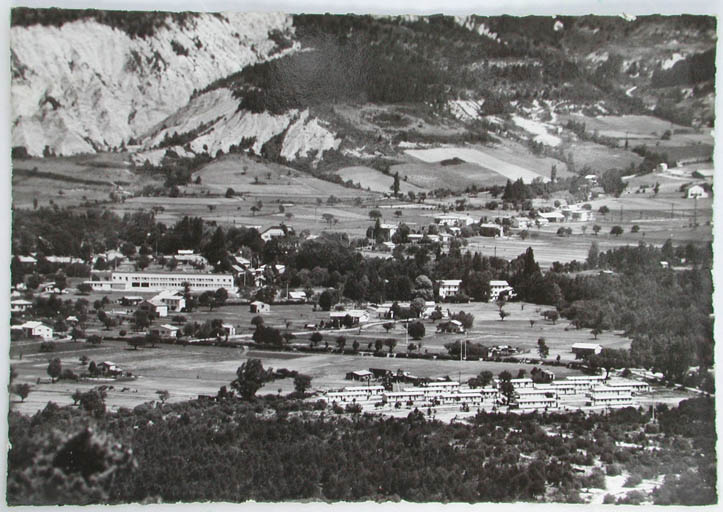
(487, 162)
(187, 371)
(600, 158)
(377, 181)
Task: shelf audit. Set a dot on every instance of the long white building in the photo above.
(158, 281)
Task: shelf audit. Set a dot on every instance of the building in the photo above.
(499, 288)
(452, 219)
(297, 297)
(159, 281)
(362, 375)
(172, 299)
(696, 192)
(259, 307)
(606, 396)
(356, 394)
(109, 368)
(412, 396)
(154, 308)
(357, 316)
(583, 383)
(188, 256)
(520, 222)
(552, 216)
(448, 288)
(582, 350)
(635, 386)
(37, 330)
(489, 229)
(165, 331)
(273, 232)
(20, 305)
(532, 398)
(229, 329)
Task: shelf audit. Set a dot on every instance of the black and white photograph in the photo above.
(303, 257)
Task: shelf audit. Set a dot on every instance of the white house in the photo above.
(35, 329)
(552, 216)
(259, 307)
(272, 232)
(498, 287)
(586, 349)
(165, 331)
(20, 305)
(229, 329)
(696, 192)
(171, 298)
(448, 287)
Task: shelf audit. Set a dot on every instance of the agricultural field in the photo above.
(598, 157)
(488, 163)
(376, 181)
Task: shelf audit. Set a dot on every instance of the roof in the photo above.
(450, 282)
(587, 346)
(551, 215)
(21, 302)
(297, 295)
(499, 283)
(351, 312)
(364, 373)
(32, 324)
(258, 303)
(170, 327)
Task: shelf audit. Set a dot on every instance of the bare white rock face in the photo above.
(86, 87)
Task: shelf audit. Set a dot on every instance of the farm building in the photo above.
(582, 350)
(37, 330)
(696, 192)
(499, 288)
(448, 287)
(259, 307)
(156, 282)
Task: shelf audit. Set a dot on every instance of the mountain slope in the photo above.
(85, 86)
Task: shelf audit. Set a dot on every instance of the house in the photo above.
(259, 307)
(20, 305)
(158, 309)
(577, 214)
(188, 256)
(48, 288)
(229, 329)
(448, 287)
(297, 297)
(171, 298)
(28, 262)
(35, 329)
(696, 192)
(109, 368)
(452, 219)
(273, 232)
(130, 300)
(552, 216)
(582, 350)
(500, 288)
(357, 316)
(165, 331)
(520, 222)
(454, 326)
(494, 230)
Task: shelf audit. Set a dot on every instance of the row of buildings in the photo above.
(590, 391)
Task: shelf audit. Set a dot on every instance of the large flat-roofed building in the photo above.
(606, 396)
(158, 281)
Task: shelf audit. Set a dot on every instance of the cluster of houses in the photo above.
(589, 391)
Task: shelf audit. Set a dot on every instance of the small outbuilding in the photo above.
(259, 307)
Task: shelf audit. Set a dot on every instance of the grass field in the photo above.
(377, 181)
(487, 162)
(600, 158)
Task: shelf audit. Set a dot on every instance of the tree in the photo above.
(390, 343)
(22, 390)
(316, 338)
(355, 346)
(54, 369)
(616, 230)
(341, 343)
(230, 192)
(417, 306)
(137, 341)
(328, 218)
(163, 395)
(635, 228)
(395, 184)
(551, 315)
(250, 376)
(596, 229)
(375, 214)
(84, 288)
(301, 383)
(542, 348)
(327, 299)
(220, 296)
(503, 314)
(416, 330)
(506, 387)
(378, 344)
(388, 326)
(593, 255)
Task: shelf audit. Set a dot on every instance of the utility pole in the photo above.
(695, 211)
(672, 206)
